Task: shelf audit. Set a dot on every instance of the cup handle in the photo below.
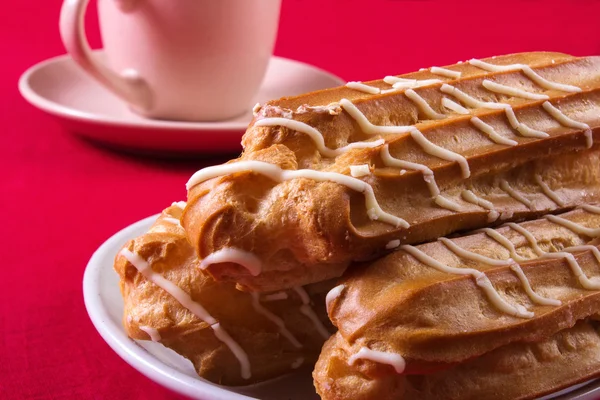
(128, 85)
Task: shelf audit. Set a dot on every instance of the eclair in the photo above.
(230, 337)
(347, 174)
(440, 305)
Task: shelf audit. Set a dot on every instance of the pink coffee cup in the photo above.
(192, 60)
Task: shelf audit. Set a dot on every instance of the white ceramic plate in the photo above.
(105, 308)
(60, 88)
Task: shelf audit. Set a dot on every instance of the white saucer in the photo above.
(105, 308)
(60, 88)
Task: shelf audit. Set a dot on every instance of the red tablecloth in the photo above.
(62, 197)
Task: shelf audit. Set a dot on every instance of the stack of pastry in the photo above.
(446, 221)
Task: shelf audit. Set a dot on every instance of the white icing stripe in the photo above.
(332, 295)
(536, 298)
(491, 133)
(425, 108)
(195, 308)
(499, 263)
(153, 333)
(172, 220)
(316, 136)
(232, 255)
(549, 192)
(591, 209)
(428, 147)
(307, 310)
(392, 244)
(575, 227)
(480, 279)
(445, 72)
(359, 171)
(235, 348)
(403, 83)
(530, 238)
(259, 308)
(179, 204)
(504, 185)
(492, 233)
(585, 282)
(363, 88)
(297, 363)
(395, 360)
(182, 297)
(471, 197)
(469, 255)
(523, 129)
(440, 152)
(568, 122)
(527, 70)
(428, 176)
(511, 91)
(275, 296)
(277, 174)
(454, 106)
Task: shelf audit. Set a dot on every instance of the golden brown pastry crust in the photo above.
(166, 248)
(306, 231)
(515, 371)
(429, 317)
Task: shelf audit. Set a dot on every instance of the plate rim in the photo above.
(125, 347)
(60, 110)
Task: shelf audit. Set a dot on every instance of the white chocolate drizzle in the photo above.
(275, 296)
(363, 88)
(549, 192)
(491, 133)
(392, 244)
(516, 268)
(511, 91)
(425, 108)
(297, 363)
(316, 136)
(454, 106)
(358, 171)
(445, 72)
(585, 282)
(152, 332)
(194, 307)
(523, 129)
(575, 227)
(536, 298)
(307, 310)
(471, 197)
(504, 185)
(527, 70)
(404, 83)
(179, 204)
(428, 176)
(232, 255)
(591, 209)
(332, 295)
(568, 122)
(428, 147)
(172, 220)
(392, 359)
(259, 308)
(481, 280)
(277, 174)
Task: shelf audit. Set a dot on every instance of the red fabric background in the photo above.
(62, 197)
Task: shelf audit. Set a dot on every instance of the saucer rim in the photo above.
(60, 110)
